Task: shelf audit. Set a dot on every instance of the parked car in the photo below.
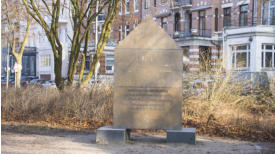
(251, 82)
(37, 82)
(26, 79)
(48, 84)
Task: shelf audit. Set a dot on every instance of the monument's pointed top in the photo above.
(148, 35)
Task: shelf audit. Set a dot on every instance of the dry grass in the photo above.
(223, 111)
(72, 107)
(216, 112)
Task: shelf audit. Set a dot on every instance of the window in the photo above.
(127, 6)
(87, 63)
(227, 17)
(45, 60)
(101, 17)
(155, 3)
(268, 13)
(120, 8)
(216, 20)
(272, 16)
(99, 28)
(120, 33)
(202, 23)
(109, 63)
(177, 22)
(29, 65)
(241, 56)
(147, 4)
(268, 56)
(163, 1)
(136, 5)
(265, 11)
(164, 23)
(127, 30)
(205, 58)
(243, 15)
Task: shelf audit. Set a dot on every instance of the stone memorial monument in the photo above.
(147, 86)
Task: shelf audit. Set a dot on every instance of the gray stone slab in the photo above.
(148, 80)
(185, 135)
(108, 134)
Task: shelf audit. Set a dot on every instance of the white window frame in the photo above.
(120, 33)
(269, 11)
(120, 9)
(126, 30)
(127, 11)
(136, 5)
(45, 62)
(147, 4)
(109, 59)
(264, 50)
(234, 56)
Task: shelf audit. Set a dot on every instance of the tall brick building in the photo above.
(127, 18)
(212, 33)
(224, 33)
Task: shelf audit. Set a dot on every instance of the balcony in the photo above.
(207, 33)
(179, 3)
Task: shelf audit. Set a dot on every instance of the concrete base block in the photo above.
(185, 135)
(108, 134)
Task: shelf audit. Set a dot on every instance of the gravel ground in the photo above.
(38, 139)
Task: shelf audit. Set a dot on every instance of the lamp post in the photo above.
(8, 59)
(96, 39)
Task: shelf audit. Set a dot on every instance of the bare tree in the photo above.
(103, 39)
(82, 14)
(14, 17)
(38, 10)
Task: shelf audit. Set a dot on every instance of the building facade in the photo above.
(233, 34)
(215, 34)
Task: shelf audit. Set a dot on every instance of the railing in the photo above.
(230, 22)
(204, 33)
(201, 33)
(183, 2)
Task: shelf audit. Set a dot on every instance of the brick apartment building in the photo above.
(236, 34)
(127, 18)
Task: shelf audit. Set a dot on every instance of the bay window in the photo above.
(241, 56)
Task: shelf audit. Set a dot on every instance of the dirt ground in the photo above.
(18, 138)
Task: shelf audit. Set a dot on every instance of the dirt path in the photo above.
(37, 139)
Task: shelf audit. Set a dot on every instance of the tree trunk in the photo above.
(81, 72)
(58, 72)
(104, 37)
(18, 60)
(17, 79)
